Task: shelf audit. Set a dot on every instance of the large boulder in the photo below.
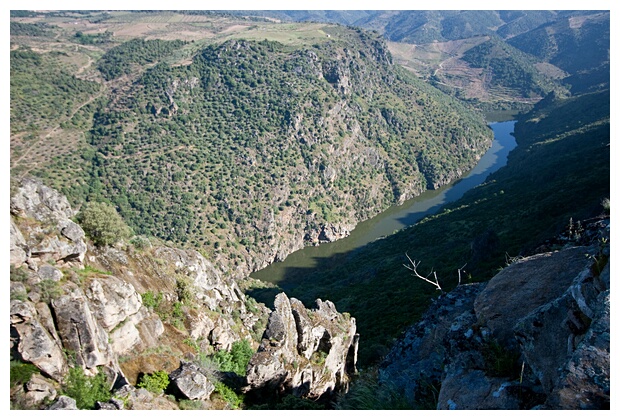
(79, 330)
(63, 403)
(113, 300)
(36, 343)
(39, 389)
(524, 286)
(141, 399)
(190, 382)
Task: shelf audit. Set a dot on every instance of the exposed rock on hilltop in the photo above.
(537, 335)
(128, 311)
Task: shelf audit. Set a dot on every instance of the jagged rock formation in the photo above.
(110, 309)
(308, 352)
(534, 336)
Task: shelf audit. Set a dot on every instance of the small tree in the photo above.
(103, 224)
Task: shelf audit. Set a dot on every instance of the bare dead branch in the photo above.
(414, 268)
(461, 269)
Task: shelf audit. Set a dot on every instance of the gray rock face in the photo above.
(63, 403)
(190, 382)
(35, 200)
(113, 300)
(141, 399)
(47, 272)
(34, 342)
(474, 390)
(39, 389)
(524, 286)
(51, 233)
(79, 330)
(303, 351)
(17, 246)
(419, 357)
(537, 335)
(568, 348)
(209, 287)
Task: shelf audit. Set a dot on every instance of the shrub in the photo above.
(192, 405)
(21, 372)
(228, 395)
(185, 290)
(140, 242)
(86, 391)
(236, 360)
(18, 274)
(151, 300)
(49, 290)
(155, 382)
(103, 224)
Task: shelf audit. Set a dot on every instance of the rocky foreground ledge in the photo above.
(126, 312)
(536, 336)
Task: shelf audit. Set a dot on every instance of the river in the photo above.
(407, 214)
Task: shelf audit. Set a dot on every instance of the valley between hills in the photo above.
(159, 158)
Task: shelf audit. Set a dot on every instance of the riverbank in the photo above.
(398, 217)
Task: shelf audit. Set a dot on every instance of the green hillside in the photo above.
(508, 68)
(255, 144)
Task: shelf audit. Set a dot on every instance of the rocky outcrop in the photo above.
(537, 335)
(141, 399)
(310, 353)
(63, 403)
(34, 342)
(42, 215)
(110, 309)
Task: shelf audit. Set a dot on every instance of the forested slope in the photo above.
(257, 148)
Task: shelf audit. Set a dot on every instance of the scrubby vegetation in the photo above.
(43, 93)
(207, 154)
(239, 148)
(119, 60)
(85, 390)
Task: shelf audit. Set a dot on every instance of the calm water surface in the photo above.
(407, 214)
